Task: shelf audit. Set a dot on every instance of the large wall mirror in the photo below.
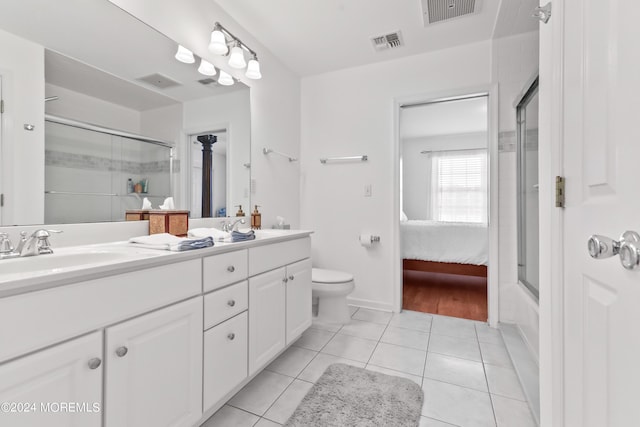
(114, 118)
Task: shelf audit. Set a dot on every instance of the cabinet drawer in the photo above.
(225, 359)
(224, 269)
(268, 257)
(225, 303)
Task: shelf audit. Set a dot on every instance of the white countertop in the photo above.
(108, 259)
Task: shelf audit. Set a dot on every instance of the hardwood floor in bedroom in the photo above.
(445, 294)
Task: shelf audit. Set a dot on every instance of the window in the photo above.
(459, 186)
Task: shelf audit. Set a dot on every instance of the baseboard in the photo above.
(525, 364)
(374, 305)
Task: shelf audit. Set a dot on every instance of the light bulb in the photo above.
(206, 68)
(236, 59)
(225, 79)
(185, 55)
(218, 43)
(253, 69)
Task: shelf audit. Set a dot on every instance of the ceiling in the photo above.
(317, 36)
(444, 118)
(98, 49)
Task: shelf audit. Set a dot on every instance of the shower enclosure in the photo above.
(527, 154)
(95, 174)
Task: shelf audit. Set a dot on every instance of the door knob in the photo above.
(630, 250)
(94, 363)
(602, 247)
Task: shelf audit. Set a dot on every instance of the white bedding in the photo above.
(444, 241)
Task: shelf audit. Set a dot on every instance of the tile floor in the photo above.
(462, 366)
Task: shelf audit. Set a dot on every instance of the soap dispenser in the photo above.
(256, 219)
(240, 211)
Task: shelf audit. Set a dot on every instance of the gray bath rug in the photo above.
(347, 396)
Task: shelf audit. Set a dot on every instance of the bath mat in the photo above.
(347, 396)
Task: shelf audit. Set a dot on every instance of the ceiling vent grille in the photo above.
(387, 41)
(435, 11)
(159, 81)
(207, 81)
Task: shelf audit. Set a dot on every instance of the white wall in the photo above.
(275, 100)
(351, 112)
(416, 167)
(515, 63)
(84, 108)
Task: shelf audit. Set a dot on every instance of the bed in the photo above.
(445, 247)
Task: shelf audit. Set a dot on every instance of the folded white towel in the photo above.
(169, 242)
(218, 235)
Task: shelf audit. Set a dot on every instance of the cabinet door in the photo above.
(225, 358)
(266, 317)
(298, 299)
(154, 368)
(35, 386)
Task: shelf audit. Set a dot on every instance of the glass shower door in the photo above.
(528, 215)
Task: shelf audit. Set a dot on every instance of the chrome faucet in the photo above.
(229, 226)
(37, 243)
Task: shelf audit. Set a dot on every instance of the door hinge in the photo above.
(1, 106)
(559, 192)
(1, 200)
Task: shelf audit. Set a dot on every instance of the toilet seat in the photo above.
(323, 276)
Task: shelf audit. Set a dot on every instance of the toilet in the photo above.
(331, 288)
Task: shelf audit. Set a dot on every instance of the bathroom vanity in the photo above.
(133, 337)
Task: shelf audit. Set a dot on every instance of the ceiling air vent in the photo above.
(387, 41)
(207, 81)
(434, 11)
(159, 81)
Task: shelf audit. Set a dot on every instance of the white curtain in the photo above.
(459, 186)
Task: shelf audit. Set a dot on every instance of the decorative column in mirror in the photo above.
(207, 142)
(129, 81)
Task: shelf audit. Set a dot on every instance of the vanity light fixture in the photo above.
(221, 40)
(225, 79)
(206, 68)
(185, 55)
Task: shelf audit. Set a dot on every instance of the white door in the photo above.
(153, 371)
(33, 387)
(266, 317)
(298, 299)
(601, 122)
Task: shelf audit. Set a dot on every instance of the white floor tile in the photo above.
(287, 403)
(349, 347)
(398, 358)
(375, 316)
(331, 327)
(361, 329)
(406, 337)
(495, 354)
(266, 423)
(316, 368)
(416, 379)
(463, 348)
(457, 371)
(451, 326)
(430, 422)
(511, 412)
(314, 339)
(488, 334)
(504, 381)
(257, 396)
(229, 416)
(412, 320)
(457, 405)
(292, 361)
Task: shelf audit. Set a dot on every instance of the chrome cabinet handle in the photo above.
(285, 280)
(231, 303)
(630, 250)
(602, 247)
(628, 247)
(231, 269)
(94, 363)
(121, 351)
(291, 277)
(231, 336)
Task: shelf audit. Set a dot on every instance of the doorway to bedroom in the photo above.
(444, 201)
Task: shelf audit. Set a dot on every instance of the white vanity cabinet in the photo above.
(153, 374)
(33, 388)
(279, 299)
